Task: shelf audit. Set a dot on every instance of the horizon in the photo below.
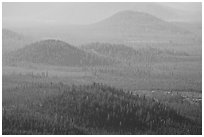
(29, 14)
(127, 68)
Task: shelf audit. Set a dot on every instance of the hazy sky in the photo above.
(86, 13)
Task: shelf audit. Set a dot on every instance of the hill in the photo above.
(55, 52)
(126, 53)
(129, 26)
(132, 22)
(123, 26)
(94, 109)
(12, 40)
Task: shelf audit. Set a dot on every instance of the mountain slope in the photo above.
(125, 53)
(128, 26)
(130, 23)
(12, 40)
(55, 52)
(124, 26)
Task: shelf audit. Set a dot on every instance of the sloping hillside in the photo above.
(126, 53)
(123, 26)
(55, 52)
(132, 22)
(12, 40)
(129, 26)
(94, 109)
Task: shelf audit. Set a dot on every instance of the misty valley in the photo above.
(131, 73)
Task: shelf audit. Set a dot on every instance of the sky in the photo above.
(22, 14)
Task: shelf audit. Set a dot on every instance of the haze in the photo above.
(102, 68)
(28, 14)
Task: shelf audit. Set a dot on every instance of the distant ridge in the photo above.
(129, 15)
(11, 34)
(125, 53)
(137, 22)
(128, 25)
(12, 40)
(55, 52)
